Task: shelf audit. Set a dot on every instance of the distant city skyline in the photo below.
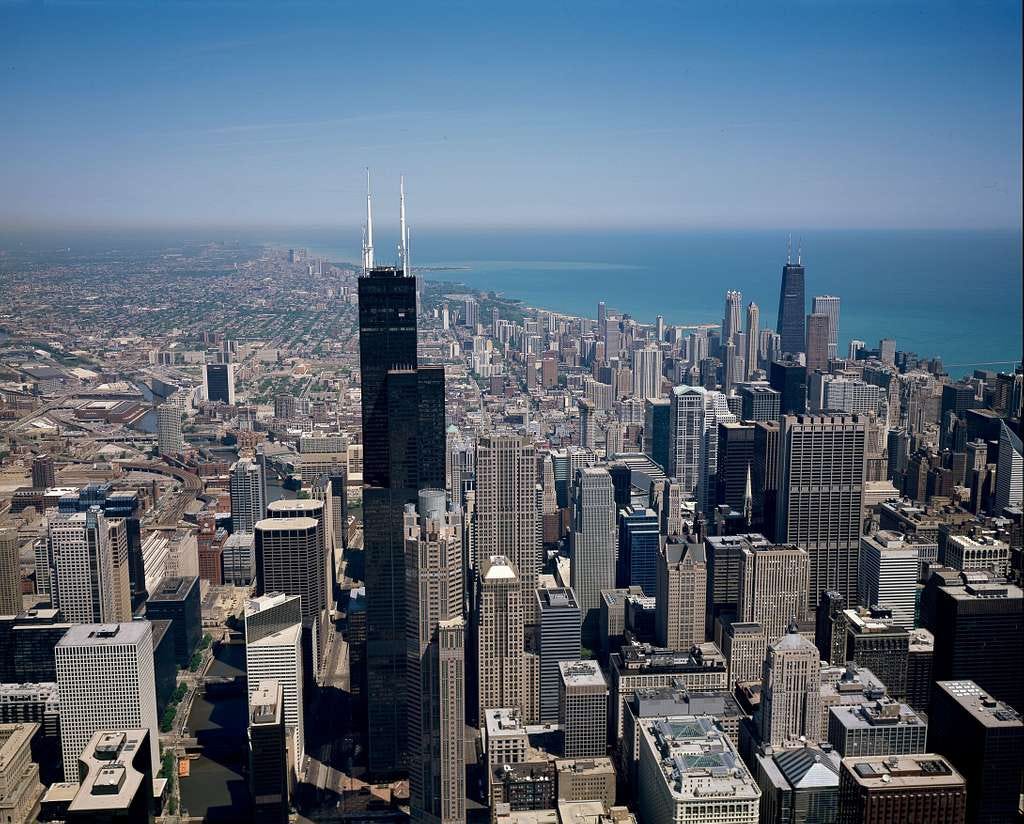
(804, 115)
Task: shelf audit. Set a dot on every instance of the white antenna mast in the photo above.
(368, 239)
(403, 238)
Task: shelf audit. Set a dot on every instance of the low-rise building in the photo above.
(20, 788)
(688, 770)
(585, 779)
(798, 784)
(882, 727)
(885, 789)
(641, 666)
(115, 779)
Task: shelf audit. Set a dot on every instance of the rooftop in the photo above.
(804, 767)
(921, 640)
(582, 674)
(498, 567)
(286, 524)
(677, 700)
(262, 602)
(557, 598)
(987, 710)
(883, 712)
(617, 596)
(593, 812)
(697, 760)
(174, 589)
(286, 637)
(13, 738)
(900, 772)
(296, 505)
(653, 659)
(265, 705)
(97, 635)
(111, 782)
(599, 765)
(504, 721)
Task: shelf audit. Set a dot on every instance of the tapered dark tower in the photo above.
(792, 308)
(403, 452)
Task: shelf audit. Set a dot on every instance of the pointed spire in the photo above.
(789, 249)
(799, 251)
(368, 240)
(748, 500)
(403, 236)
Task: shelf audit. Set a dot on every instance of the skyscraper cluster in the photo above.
(594, 570)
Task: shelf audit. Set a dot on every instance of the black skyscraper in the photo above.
(764, 476)
(792, 308)
(984, 739)
(403, 452)
(735, 470)
(387, 340)
(220, 383)
(789, 379)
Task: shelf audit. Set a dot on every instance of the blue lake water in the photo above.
(956, 294)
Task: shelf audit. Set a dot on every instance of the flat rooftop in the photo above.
(985, 709)
(112, 782)
(582, 674)
(504, 721)
(108, 635)
(557, 598)
(697, 760)
(880, 713)
(174, 588)
(901, 772)
(286, 524)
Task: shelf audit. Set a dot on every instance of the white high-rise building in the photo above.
(837, 393)
(696, 347)
(647, 373)
(273, 650)
(499, 632)
(507, 513)
(772, 587)
(753, 336)
(693, 441)
(88, 556)
(791, 690)
(435, 658)
(248, 498)
(168, 429)
(732, 319)
(10, 574)
(829, 305)
(106, 681)
(1009, 470)
(888, 573)
(593, 539)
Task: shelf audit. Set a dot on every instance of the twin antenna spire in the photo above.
(403, 240)
(789, 251)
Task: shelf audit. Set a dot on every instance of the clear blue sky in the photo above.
(814, 114)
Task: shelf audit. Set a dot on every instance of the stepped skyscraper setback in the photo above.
(403, 452)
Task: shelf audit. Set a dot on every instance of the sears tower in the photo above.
(792, 305)
(403, 452)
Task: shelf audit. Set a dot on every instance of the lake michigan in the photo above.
(955, 294)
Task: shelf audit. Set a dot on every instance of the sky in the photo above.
(558, 114)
